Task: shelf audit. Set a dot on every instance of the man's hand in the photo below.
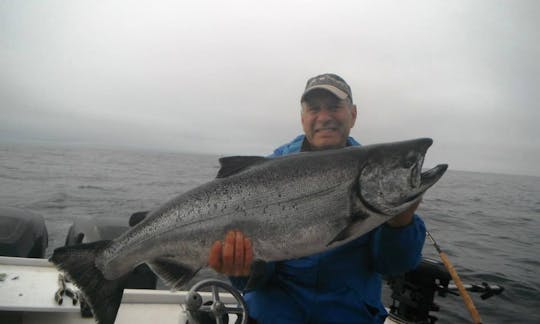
(233, 256)
(404, 218)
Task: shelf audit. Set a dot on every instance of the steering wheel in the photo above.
(196, 309)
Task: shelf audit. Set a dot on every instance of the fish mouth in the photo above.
(391, 187)
(431, 176)
(422, 181)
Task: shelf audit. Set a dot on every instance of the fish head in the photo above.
(391, 179)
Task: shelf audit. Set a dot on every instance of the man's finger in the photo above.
(228, 253)
(238, 254)
(214, 258)
(248, 256)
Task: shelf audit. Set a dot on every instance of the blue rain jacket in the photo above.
(342, 285)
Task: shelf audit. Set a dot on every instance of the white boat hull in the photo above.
(28, 287)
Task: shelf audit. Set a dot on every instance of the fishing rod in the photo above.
(463, 292)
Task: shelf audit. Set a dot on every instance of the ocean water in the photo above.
(488, 224)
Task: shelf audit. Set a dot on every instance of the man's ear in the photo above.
(353, 115)
(302, 109)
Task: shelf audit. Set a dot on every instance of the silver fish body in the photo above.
(290, 206)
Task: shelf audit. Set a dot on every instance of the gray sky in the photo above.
(225, 77)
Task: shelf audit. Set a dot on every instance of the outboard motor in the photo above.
(413, 293)
(22, 233)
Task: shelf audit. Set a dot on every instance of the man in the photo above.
(342, 285)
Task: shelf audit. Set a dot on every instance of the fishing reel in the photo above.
(413, 293)
(214, 310)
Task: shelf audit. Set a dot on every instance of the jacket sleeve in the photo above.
(396, 250)
(241, 282)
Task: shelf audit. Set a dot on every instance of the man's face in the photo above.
(327, 120)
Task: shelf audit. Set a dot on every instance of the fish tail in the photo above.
(103, 296)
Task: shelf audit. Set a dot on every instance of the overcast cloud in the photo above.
(225, 77)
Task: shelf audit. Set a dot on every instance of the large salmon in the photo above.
(290, 206)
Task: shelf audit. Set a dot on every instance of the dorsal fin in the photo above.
(233, 164)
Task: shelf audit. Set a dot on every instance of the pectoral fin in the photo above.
(173, 273)
(355, 228)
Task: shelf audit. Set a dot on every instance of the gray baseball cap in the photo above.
(330, 82)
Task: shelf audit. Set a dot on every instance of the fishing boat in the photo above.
(32, 290)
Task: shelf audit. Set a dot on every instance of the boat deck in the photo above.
(27, 296)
